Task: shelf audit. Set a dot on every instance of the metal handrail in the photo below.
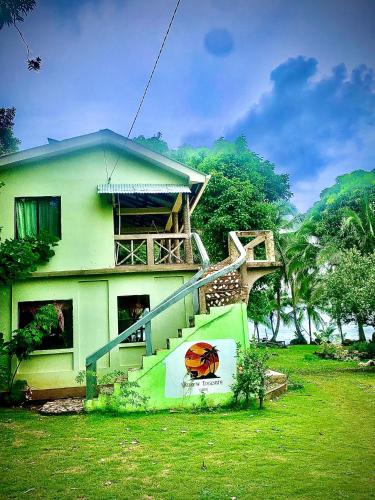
(190, 286)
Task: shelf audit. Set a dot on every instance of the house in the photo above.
(122, 216)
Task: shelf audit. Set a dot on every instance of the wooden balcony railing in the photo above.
(153, 249)
(261, 242)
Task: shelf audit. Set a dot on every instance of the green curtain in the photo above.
(26, 218)
(48, 217)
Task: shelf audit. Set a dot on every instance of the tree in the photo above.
(155, 143)
(341, 211)
(349, 288)
(13, 12)
(8, 143)
(244, 190)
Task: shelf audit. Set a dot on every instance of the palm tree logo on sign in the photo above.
(202, 361)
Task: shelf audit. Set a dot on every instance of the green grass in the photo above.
(315, 442)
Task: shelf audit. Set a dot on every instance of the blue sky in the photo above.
(296, 77)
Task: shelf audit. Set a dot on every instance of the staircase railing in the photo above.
(191, 286)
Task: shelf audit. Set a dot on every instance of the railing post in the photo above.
(148, 339)
(270, 247)
(195, 295)
(150, 250)
(91, 381)
(187, 230)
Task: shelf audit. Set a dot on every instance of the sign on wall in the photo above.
(205, 366)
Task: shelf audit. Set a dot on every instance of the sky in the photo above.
(296, 77)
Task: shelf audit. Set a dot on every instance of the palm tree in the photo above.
(361, 225)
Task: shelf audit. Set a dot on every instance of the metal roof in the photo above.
(141, 188)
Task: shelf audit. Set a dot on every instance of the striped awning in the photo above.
(141, 188)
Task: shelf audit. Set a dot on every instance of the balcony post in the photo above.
(187, 229)
(150, 250)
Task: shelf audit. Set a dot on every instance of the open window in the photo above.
(60, 337)
(130, 308)
(36, 216)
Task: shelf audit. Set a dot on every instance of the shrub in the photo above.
(250, 381)
(118, 390)
(365, 350)
(24, 341)
(335, 351)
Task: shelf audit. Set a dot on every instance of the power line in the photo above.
(153, 69)
(149, 80)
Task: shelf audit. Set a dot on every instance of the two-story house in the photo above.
(122, 216)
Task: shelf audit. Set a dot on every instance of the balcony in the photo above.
(156, 252)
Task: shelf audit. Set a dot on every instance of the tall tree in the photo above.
(349, 286)
(8, 143)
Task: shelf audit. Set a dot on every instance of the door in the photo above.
(93, 319)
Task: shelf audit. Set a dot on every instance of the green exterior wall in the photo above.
(223, 323)
(87, 244)
(94, 321)
(86, 217)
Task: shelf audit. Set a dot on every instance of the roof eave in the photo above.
(101, 138)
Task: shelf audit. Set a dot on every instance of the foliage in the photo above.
(250, 380)
(334, 351)
(118, 391)
(350, 287)
(13, 12)
(154, 143)
(24, 341)
(345, 212)
(325, 334)
(365, 349)
(20, 257)
(243, 191)
(8, 143)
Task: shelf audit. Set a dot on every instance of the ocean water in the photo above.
(286, 333)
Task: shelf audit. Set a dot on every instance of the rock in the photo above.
(62, 407)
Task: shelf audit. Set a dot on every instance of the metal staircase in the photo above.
(228, 282)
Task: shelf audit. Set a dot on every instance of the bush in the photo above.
(250, 382)
(298, 341)
(119, 392)
(335, 351)
(365, 350)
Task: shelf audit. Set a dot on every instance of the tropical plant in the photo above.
(26, 340)
(349, 286)
(250, 379)
(117, 391)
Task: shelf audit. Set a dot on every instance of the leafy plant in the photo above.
(250, 381)
(20, 257)
(26, 340)
(119, 392)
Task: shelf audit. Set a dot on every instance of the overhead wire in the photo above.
(150, 79)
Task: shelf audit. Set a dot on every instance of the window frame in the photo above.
(58, 198)
(42, 302)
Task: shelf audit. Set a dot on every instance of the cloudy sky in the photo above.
(295, 76)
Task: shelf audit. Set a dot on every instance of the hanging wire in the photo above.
(154, 68)
(150, 78)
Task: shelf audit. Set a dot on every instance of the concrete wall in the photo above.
(94, 321)
(86, 217)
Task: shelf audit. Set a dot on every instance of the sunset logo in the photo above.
(202, 361)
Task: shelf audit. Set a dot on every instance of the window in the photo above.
(35, 216)
(60, 337)
(130, 308)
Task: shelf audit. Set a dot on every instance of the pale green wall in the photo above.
(94, 321)
(86, 217)
(227, 322)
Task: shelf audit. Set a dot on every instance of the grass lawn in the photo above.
(315, 442)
